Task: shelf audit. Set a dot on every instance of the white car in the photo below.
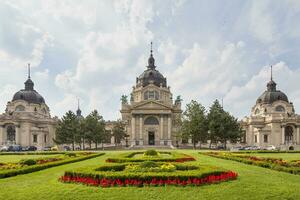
(4, 148)
(270, 147)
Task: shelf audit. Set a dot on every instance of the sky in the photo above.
(94, 50)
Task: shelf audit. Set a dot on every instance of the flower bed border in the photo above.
(155, 180)
(253, 160)
(34, 168)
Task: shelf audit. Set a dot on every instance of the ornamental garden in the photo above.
(149, 168)
(150, 174)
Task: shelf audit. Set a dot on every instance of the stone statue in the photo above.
(178, 99)
(124, 99)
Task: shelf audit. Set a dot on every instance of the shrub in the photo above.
(151, 152)
(148, 164)
(27, 162)
(70, 154)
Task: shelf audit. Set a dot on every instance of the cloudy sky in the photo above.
(93, 50)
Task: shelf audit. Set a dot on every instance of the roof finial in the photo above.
(151, 51)
(78, 104)
(271, 73)
(29, 70)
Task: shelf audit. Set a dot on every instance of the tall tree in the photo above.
(119, 131)
(223, 126)
(194, 123)
(67, 130)
(214, 119)
(95, 128)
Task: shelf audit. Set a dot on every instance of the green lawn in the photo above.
(253, 183)
(284, 156)
(17, 158)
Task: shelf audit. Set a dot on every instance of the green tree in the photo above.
(94, 128)
(214, 119)
(119, 131)
(67, 131)
(177, 132)
(222, 125)
(194, 123)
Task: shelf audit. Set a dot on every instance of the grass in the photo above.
(253, 183)
(17, 158)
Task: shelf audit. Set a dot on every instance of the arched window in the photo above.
(256, 111)
(151, 95)
(151, 121)
(20, 108)
(280, 109)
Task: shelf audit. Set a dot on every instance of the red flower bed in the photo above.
(104, 182)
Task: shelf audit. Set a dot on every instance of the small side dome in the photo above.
(272, 94)
(29, 94)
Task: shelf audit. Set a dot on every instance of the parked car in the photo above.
(255, 148)
(55, 148)
(47, 148)
(30, 148)
(4, 148)
(67, 148)
(15, 148)
(270, 147)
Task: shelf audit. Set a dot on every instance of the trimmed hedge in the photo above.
(34, 168)
(270, 163)
(128, 157)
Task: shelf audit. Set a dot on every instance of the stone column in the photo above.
(133, 130)
(282, 135)
(17, 129)
(169, 129)
(161, 130)
(298, 136)
(141, 131)
(1, 134)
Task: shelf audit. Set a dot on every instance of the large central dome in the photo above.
(272, 94)
(151, 75)
(29, 94)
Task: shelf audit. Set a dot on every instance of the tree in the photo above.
(214, 119)
(194, 123)
(67, 131)
(95, 128)
(119, 131)
(177, 132)
(222, 125)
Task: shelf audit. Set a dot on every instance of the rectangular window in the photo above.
(255, 138)
(35, 140)
(45, 138)
(265, 138)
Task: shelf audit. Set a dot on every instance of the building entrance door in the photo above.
(151, 138)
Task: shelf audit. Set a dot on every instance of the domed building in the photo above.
(273, 121)
(27, 120)
(151, 114)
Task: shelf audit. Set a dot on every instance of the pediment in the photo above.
(151, 105)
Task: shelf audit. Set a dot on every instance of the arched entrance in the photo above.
(151, 138)
(291, 148)
(288, 135)
(11, 134)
